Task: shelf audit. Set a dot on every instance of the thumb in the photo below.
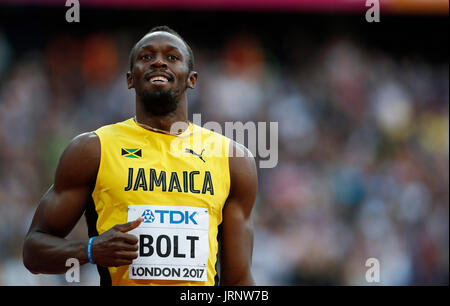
(129, 226)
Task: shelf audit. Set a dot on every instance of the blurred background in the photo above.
(363, 167)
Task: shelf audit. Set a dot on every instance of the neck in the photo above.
(161, 122)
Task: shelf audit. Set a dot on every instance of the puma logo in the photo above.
(196, 154)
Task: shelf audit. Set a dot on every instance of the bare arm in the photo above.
(45, 248)
(236, 245)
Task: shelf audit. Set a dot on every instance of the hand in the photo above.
(115, 247)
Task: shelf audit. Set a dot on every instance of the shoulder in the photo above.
(241, 159)
(83, 145)
(86, 140)
(79, 162)
(238, 150)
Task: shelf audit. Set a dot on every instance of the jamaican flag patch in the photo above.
(132, 153)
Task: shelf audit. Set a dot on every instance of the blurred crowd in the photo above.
(363, 160)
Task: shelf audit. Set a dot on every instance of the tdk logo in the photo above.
(148, 216)
(169, 216)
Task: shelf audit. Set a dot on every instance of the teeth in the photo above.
(159, 78)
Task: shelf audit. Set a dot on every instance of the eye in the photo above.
(145, 57)
(173, 57)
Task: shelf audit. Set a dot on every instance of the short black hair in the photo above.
(164, 28)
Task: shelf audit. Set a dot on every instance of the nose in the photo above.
(158, 63)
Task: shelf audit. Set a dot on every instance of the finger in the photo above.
(122, 245)
(129, 226)
(130, 239)
(126, 255)
(125, 237)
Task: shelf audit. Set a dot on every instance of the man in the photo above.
(184, 196)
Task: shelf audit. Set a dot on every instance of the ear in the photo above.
(130, 80)
(192, 79)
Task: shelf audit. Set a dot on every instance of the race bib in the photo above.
(173, 242)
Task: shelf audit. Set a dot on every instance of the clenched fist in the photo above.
(115, 247)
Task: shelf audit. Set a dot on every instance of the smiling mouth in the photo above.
(159, 79)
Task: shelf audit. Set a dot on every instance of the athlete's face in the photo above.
(161, 66)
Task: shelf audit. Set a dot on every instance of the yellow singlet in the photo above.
(178, 185)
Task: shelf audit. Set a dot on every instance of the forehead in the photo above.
(162, 39)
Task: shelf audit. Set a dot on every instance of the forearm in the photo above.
(233, 279)
(44, 253)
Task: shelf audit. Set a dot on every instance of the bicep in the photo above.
(58, 212)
